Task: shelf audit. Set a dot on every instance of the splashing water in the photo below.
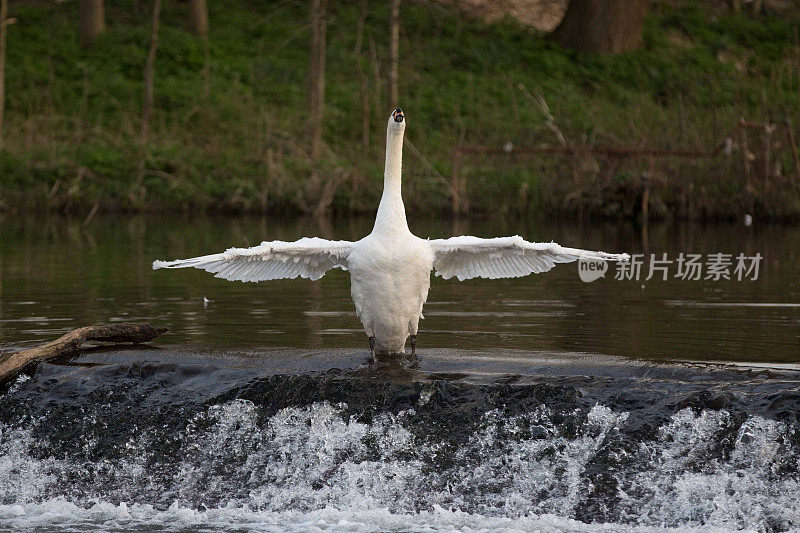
(324, 466)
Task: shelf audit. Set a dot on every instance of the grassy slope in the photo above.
(73, 114)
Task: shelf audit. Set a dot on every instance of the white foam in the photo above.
(739, 492)
(67, 517)
(315, 469)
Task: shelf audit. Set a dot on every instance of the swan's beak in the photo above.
(398, 115)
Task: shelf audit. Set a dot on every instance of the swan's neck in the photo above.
(391, 216)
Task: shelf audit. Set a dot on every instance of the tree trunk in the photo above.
(198, 23)
(362, 77)
(602, 26)
(316, 77)
(3, 28)
(394, 50)
(147, 100)
(13, 364)
(736, 5)
(198, 17)
(149, 73)
(91, 20)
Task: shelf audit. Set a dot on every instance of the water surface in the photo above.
(57, 275)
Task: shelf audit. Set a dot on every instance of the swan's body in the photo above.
(389, 268)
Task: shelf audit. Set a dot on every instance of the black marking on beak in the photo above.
(398, 115)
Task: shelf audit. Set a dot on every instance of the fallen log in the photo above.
(135, 332)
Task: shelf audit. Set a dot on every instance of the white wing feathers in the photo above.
(505, 257)
(309, 257)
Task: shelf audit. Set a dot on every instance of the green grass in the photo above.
(73, 114)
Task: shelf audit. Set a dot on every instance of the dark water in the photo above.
(543, 403)
(57, 275)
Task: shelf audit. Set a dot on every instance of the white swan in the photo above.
(389, 268)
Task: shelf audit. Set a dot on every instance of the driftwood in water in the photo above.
(13, 364)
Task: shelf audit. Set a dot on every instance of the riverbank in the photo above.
(228, 123)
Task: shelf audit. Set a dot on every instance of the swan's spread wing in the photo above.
(505, 257)
(310, 257)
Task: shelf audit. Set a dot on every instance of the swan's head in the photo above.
(397, 121)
